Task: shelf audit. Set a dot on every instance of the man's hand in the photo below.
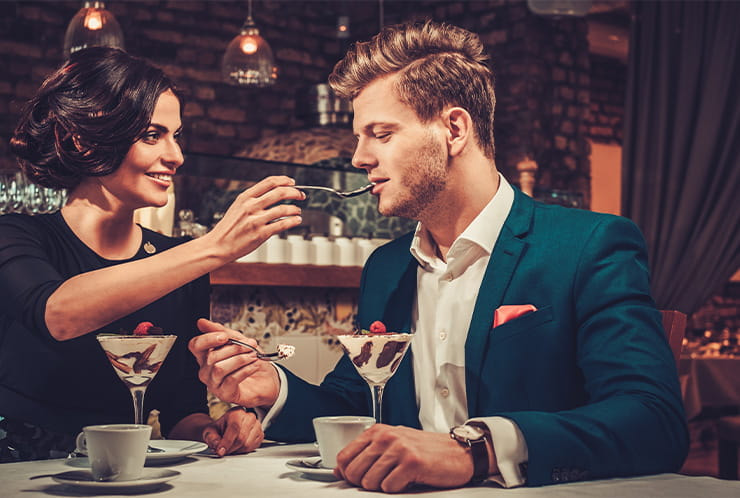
(237, 431)
(391, 459)
(232, 372)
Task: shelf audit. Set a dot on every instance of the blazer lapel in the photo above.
(504, 260)
(400, 392)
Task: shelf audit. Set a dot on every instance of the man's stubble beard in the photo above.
(425, 178)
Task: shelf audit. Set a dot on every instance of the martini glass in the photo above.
(376, 358)
(136, 359)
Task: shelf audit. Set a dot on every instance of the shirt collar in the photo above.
(483, 231)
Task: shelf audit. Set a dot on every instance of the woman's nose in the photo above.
(173, 154)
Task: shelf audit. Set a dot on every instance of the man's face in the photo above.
(407, 158)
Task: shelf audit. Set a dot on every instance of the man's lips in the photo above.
(378, 186)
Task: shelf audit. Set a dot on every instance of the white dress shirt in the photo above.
(446, 293)
(445, 300)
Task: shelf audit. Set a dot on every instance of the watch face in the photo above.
(467, 432)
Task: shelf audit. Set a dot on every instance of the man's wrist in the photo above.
(475, 439)
(492, 464)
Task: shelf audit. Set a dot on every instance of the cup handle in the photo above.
(81, 443)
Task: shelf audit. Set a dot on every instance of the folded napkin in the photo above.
(510, 311)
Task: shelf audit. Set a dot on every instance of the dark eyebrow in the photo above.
(163, 129)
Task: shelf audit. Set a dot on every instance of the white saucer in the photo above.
(174, 450)
(312, 467)
(150, 478)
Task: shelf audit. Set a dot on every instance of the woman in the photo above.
(106, 127)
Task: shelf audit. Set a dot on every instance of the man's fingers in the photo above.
(211, 437)
(205, 325)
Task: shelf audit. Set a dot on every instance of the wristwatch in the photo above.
(474, 437)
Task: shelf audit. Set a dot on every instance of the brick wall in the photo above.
(608, 87)
(542, 69)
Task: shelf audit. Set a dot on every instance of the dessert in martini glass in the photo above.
(376, 355)
(137, 359)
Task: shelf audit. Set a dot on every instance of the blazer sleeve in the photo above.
(633, 421)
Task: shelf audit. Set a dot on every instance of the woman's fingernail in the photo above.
(221, 451)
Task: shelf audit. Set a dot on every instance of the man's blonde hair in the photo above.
(438, 64)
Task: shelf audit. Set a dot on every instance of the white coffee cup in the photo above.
(334, 433)
(117, 452)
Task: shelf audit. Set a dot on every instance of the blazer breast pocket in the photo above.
(522, 324)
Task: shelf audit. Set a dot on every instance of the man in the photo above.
(580, 385)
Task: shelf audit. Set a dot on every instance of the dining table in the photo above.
(277, 470)
(709, 381)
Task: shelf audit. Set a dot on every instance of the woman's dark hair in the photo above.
(86, 115)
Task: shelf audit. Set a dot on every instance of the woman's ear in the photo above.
(459, 129)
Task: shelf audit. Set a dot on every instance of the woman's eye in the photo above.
(151, 136)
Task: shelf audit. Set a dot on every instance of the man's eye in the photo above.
(382, 135)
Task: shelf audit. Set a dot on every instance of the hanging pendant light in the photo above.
(92, 26)
(560, 8)
(248, 59)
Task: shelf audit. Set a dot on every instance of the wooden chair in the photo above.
(674, 324)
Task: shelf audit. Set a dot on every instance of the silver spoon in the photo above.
(277, 356)
(343, 195)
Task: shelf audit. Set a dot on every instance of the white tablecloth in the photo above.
(264, 474)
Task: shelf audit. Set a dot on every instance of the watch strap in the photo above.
(479, 452)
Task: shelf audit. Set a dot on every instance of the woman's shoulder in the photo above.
(25, 223)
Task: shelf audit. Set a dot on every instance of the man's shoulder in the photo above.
(553, 217)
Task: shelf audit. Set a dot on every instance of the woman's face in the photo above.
(146, 172)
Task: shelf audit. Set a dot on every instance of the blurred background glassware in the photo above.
(18, 195)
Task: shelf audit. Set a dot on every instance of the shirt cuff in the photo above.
(265, 416)
(510, 450)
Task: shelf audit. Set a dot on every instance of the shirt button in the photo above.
(442, 335)
(444, 392)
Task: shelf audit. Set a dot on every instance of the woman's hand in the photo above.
(255, 215)
(237, 431)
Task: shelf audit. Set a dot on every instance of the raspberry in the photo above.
(377, 327)
(143, 328)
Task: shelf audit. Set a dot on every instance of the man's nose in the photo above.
(362, 158)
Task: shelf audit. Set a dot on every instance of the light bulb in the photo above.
(93, 20)
(249, 45)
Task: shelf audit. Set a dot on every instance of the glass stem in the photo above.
(377, 392)
(137, 393)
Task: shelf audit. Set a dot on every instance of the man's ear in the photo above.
(459, 126)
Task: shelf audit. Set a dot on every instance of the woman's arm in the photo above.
(88, 301)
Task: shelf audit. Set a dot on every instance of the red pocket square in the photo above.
(510, 311)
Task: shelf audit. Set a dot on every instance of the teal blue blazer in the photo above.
(588, 378)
